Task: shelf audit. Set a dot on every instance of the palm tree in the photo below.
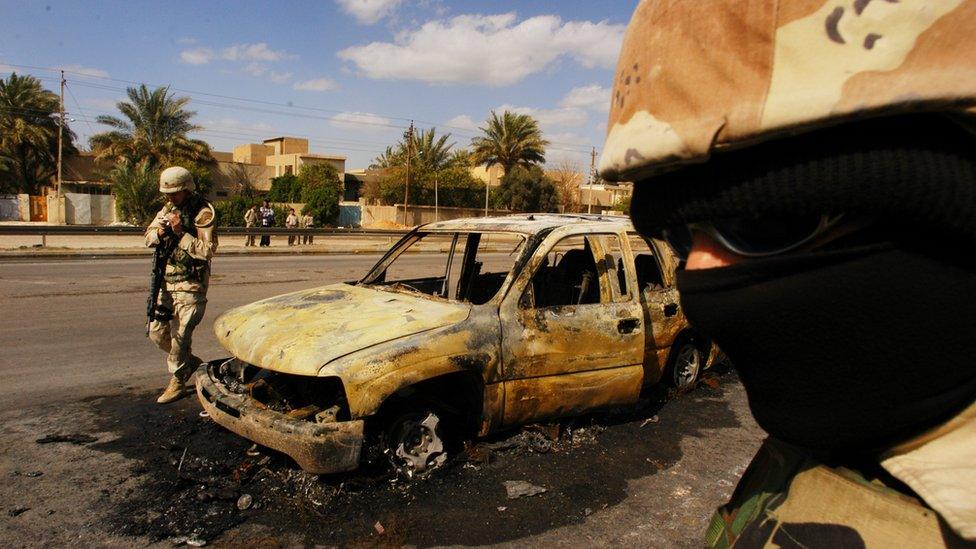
(28, 134)
(154, 130)
(510, 140)
(136, 190)
(462, 158)
(428, 153)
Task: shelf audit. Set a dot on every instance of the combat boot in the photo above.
(174, 391)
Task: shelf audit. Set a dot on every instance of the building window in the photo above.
(289, 170)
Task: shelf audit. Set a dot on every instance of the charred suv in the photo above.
(517, 319)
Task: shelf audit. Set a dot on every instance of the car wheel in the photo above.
(415, 444)
(685, 364)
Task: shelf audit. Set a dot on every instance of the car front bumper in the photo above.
(316, 447)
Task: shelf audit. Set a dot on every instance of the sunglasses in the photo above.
(752, 237)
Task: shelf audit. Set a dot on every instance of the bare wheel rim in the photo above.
(419, 447)
(686, 366)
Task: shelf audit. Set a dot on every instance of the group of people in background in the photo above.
(265, 215)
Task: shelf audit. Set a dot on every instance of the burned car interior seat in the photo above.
(648, 275)
(572, 281)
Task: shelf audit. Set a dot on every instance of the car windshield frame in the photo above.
(463, 253)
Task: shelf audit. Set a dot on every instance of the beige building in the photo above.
(601, 197)
(490, 175)
(258, 163)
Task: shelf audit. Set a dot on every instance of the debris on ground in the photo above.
(244, 502)
(17, 511)
(502, 509)
(652, 419)
(379, 528)
(520, 488)
(73, 438)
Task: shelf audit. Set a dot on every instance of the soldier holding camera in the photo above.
(190, 220)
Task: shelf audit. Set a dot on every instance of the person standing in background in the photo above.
(267, 220)
(308, 222)
(250, 220)
(291, 222)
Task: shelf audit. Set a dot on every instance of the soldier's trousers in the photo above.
(175, 337)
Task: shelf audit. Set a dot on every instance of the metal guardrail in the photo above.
(121, 230)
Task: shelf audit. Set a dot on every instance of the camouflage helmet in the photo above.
(175, 179)
(699, 76)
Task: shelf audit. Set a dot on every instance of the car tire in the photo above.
(415, 443)
(685, 363)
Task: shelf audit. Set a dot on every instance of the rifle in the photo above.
(161, 253)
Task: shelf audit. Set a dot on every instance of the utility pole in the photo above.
(60, 147)
(437, 216)
(589, 206)
(406, 189)
(487, 186)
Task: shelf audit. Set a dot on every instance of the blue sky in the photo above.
(347, 74)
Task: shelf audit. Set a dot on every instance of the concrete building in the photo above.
(258, 163)
(602, 197)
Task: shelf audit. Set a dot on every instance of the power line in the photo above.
(460, 131)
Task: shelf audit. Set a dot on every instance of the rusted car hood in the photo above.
(300, 332)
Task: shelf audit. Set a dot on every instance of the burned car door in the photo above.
(572, 337)
(655, 266)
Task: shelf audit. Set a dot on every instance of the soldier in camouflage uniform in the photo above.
(814, 162)
(192, 219)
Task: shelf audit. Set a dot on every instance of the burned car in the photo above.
(499, 322)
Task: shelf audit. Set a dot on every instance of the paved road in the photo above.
(77, 328)
(71, 330)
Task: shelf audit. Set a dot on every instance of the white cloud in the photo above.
(550, 117)
(463, 122)
(487, 49)
(279, 77)
(85, 71)
(367, 12)
(255, 69)
(253, 52)
(197, 56)
(360, 121)
(567, 138)
(594, 97)
(316, 84)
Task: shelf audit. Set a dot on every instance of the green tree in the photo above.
(319, 175)
(285, 188)
(136, 189)
(623, 205)
(321, 192)
(527, 190)
(428, 152)
(510, 140)
(153, 128)
(29, 135)
(455, 186)
(230, 212)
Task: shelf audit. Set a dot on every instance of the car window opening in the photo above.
(462, 267)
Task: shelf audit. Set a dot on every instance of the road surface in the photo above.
(123, 471)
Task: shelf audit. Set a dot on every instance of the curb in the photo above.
(26, 255)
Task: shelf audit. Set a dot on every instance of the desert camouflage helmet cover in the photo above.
(175, 179)
(700, 75)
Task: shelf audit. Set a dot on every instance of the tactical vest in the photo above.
(182, 266)
(787, 499)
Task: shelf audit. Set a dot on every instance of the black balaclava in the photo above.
(871, 340)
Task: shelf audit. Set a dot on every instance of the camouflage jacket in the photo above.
(188, 268)
(921, 493)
